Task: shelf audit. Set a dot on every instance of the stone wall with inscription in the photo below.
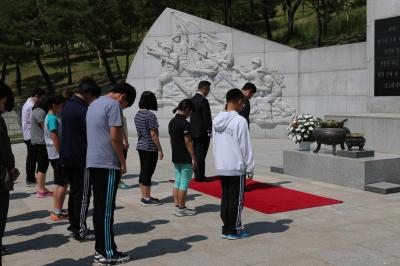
(180, 50)
(383, 56)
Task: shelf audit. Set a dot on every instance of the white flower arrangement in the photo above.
(302, 127)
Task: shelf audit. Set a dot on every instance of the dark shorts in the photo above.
(59, 178)
(42, 158)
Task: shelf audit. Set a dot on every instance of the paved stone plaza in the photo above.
(364, 230)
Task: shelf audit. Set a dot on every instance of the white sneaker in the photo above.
(179, 212)
(189, 212)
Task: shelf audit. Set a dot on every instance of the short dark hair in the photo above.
(234, 95)
(37, 92)
(89, 86)
(203, 84)
(249, 87)
(186, 104)
(6, 92)
(148, 101)
(128, 90)
(43, 102)
(55, 99)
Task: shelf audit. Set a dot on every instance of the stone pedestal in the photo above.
(349, 172)
(355, 154)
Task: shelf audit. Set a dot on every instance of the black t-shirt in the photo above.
(178, 128)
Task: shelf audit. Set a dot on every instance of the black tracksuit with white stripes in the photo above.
(232, 203)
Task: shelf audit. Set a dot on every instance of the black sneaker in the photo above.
(86, 236)
(96, 257)
(150, 202)
(117, 258)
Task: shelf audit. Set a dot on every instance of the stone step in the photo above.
(277, 169)
(383, 188)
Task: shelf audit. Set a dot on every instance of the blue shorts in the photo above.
(183, 175)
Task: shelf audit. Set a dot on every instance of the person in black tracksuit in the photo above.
(201, 122)
(73, 157)
(249, 89)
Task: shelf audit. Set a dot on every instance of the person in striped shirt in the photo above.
(148, 146)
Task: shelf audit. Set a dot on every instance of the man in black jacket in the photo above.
(201, 128)
(73, 157)
(249, 89)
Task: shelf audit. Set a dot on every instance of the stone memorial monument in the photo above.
(180, 50)
(354, 81)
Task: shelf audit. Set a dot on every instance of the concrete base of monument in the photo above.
(381, 130)
(344, 171)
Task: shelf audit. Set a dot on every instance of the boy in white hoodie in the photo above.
(233, 156)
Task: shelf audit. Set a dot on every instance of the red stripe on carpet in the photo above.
(267, 198)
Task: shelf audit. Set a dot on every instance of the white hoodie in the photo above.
(232, 149)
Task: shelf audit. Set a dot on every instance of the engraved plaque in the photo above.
(387, 57)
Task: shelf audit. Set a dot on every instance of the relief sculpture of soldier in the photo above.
(255, 74)
(191, 56)
(169, 62)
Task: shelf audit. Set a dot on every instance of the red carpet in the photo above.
(267, 198)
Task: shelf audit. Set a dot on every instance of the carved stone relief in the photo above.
(190, 57)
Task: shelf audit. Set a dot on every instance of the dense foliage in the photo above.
(32, 31)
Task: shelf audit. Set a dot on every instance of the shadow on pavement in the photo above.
(137, 227)
(258, 228)
(32, 229)
(29, 216)
(164, 246)
(68, 262)
(278, 184)
(208, 208)
(130, 176)
(19, 195)
(189, 197)
(153, 183)
(39, 243)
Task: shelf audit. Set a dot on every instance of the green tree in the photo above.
(290, 7)
(102, 26)
(269, 12)
(63, 27)
(19, 24)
